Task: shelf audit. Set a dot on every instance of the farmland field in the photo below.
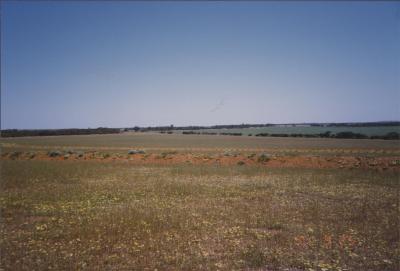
(187, 202)
(369, 131)
(158, 141)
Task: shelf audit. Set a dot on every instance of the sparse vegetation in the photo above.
(224, 206)
(193, 218)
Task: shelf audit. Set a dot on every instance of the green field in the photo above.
(90, 215)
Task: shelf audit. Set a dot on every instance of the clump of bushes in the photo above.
(165, 154)
(54, 153)
(263, 158)
(229, 153)
(395, 163)
(346, 134)
(231, 134)
(388, 136)
(280, 135)
(241, 163)
(350, 135)
(136, 152)
(326, 134)
(15, 154)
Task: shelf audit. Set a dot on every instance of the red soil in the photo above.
(379, 163)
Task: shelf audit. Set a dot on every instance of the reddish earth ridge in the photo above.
(391, 163)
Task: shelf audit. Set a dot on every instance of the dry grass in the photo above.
(72, 215)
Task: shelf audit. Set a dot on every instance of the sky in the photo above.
(122, 64)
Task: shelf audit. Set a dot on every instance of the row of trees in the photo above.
(350, 135)
(328, 134)
(56, 132)
(240, 126)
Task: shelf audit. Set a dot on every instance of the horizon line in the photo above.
(213, 125)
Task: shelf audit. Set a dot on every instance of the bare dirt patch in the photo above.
(223, 159)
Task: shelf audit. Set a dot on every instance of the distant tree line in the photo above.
(241, 126)
(328, 134)
(56, 132)
(194, 128)
(364, 124)
(350, 135)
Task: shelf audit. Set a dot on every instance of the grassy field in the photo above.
(87, 215)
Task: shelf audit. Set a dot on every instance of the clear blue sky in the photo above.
(121, 64)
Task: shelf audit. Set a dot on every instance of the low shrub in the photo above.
(54, 153)
(165, 154)
(263, 158)
(136, 152)
(230, 153)
(15, 154)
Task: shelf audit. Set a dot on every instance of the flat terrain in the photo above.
(194, 202)
(374, 130)
(196, 142)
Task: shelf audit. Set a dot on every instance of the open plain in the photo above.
(148, 201)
